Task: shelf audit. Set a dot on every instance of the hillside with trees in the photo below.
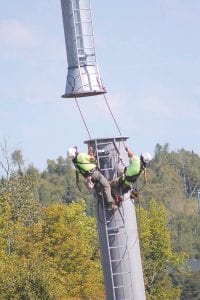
(49, 244)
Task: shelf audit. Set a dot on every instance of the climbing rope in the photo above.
(112, 114)
(83, 118)
(114, 119)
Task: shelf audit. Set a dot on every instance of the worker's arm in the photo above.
(91, 154)
(129, 152)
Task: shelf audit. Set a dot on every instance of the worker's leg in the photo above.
(97, 176)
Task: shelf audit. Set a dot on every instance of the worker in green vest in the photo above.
(130, 174)
(86, 165)
(137, 165)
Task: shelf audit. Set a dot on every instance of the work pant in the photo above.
(98, 177)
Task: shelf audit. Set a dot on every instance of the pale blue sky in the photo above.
(148, 53)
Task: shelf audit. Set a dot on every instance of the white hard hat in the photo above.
(71, 152)
(146, 157)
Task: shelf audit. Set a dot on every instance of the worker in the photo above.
(136, 166)
(130, 174)
(85, 164)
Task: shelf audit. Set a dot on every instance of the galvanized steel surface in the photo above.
(83, 77)
(118, 234)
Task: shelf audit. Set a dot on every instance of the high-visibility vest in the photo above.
(133, 170)
(84, 165)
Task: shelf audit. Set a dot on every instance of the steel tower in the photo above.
(118, 234)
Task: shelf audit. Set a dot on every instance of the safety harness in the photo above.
(80, 170)
(133, 181)
(133, 178)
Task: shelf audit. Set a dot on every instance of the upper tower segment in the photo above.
(83, 78)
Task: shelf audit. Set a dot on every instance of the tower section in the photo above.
(118, 233)
(83, 78)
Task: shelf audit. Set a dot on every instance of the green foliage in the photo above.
(72, 242)
(68, 238)
(191, 288)
(158, 256)
(58, 185)
(23, 198)
(171, 178)
(17, 159)
(56, 257)
(18, 275)
(28, 279)
(185, 232)
(49, 250)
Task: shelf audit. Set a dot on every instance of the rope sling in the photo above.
(111, 113)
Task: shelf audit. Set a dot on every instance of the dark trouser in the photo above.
(98, 177)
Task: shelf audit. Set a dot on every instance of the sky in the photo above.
(148, 54)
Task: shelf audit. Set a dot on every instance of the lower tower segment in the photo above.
(118, 234)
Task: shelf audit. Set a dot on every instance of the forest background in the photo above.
(48, 233)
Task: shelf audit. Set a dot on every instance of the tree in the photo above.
(5, 162)
(58, 185)
(18, 274)
(157, 253)
(55, 256)
(190, 284)
(17, 159)
(157, 149)
(68, 239)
